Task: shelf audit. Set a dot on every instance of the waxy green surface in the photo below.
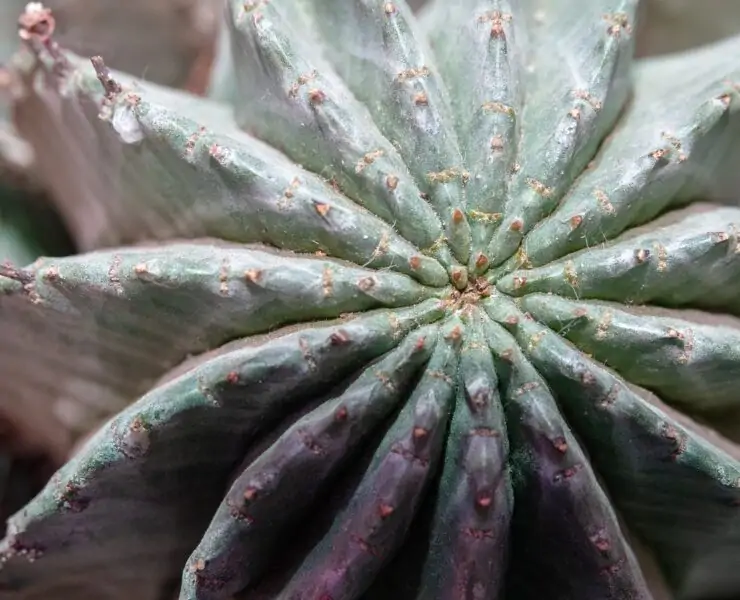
(427, 304)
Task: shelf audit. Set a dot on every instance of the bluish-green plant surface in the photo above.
(420, 308)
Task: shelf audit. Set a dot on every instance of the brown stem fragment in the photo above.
(111, 86)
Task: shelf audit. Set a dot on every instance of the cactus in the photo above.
(439, 308)
(174, 47)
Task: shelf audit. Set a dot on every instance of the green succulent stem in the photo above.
(410, 311)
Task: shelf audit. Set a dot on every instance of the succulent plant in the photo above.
(435, 312)
(28, 229)
(174, 46)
